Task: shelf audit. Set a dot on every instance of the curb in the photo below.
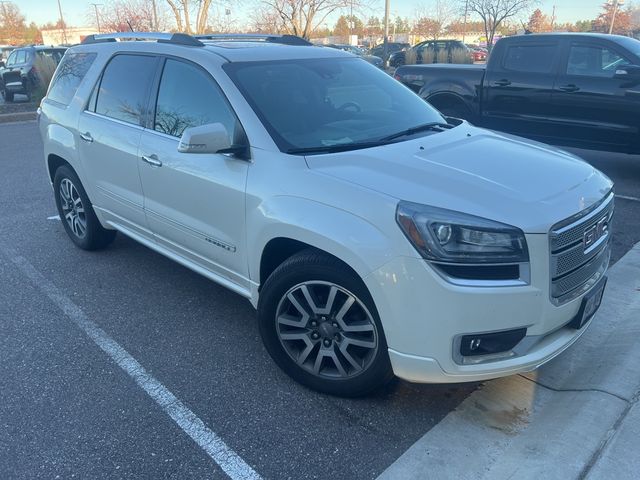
(17, 117)
(565, 421)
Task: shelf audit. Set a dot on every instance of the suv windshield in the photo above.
(320, 103)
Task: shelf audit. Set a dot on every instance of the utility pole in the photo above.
(553, 18)
(385, 49)
(616, 3)
(464, 25)
(95, 6)
(64, 25)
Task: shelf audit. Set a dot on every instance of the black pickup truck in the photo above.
(567, 89)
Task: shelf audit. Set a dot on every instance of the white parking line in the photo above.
(626, 197)
(54, 217)
(230, 462)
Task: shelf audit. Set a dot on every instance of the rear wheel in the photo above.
(318, 322)
(76, 212)
(450, 106)
(8, 96)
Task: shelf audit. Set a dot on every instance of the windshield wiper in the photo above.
(342, 147)
(434, 126)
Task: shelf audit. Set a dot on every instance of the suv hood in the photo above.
(496, 176)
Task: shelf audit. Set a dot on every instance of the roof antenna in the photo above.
(130, 27)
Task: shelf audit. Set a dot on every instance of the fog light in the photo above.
(491, 343)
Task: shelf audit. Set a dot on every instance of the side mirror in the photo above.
(628, 71)
(2, 64)
(209, 138)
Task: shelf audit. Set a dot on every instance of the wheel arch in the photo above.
(54, 162)
(440, 99)
(280, 249)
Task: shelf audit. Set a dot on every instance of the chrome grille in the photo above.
(577, 259)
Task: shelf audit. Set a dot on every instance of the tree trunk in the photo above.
(176, 14)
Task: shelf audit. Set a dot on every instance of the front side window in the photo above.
(530, 58)
(316, 103)
(18, 57)
(68, 76)
(124, 88)
(594, 61)
(188, 97)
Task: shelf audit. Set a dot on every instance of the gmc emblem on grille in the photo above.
(595, 233)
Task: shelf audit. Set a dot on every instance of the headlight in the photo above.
(448, 236)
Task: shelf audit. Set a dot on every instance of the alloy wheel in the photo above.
(326, 330)
(72, 208)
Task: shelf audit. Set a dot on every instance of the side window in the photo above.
(21, 57)
(68, 76)
(12, 59)
(593, 61)
(530, 58)
(188, 97)
(125, 87)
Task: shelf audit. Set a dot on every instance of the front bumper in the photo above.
(422, 315)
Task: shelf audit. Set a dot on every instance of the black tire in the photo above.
(311, 266)
(451, 107)
(92, 236)
(8, 96)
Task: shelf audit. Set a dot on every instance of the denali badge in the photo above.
(595, 233)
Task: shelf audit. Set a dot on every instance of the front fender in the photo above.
(352, 239)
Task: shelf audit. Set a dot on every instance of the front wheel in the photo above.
(320, 325)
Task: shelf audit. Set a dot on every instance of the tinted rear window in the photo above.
(124, 88)
(68, 76)
(530, 58)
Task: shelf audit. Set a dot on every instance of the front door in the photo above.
(592, 106)
(195, 203)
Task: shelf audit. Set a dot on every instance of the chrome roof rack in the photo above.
(255, 37)
(174, 38)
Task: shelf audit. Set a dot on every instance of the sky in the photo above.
(75, 11)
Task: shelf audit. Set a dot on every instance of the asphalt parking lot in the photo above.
(68, 410)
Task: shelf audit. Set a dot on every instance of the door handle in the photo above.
(152, 160)
(569, 88)
(86, 137)
(502, 83)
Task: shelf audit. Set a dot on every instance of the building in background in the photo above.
(67, 36)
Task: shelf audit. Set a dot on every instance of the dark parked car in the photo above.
(372, 59)
(392, 47)
(577, 89)
(433, 51)
(19, 74)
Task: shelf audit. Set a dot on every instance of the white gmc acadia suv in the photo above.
(373, 235)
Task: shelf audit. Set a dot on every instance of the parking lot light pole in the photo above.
(95, 6)
(63, 25)
(385, 49)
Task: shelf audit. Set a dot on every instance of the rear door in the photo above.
(591, 106)
(519, 84)
(110, 129)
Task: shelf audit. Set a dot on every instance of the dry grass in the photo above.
(457, 55)
(45, 68)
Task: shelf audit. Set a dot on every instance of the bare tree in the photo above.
(123, 15)
(302, 17)
(493, 13)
